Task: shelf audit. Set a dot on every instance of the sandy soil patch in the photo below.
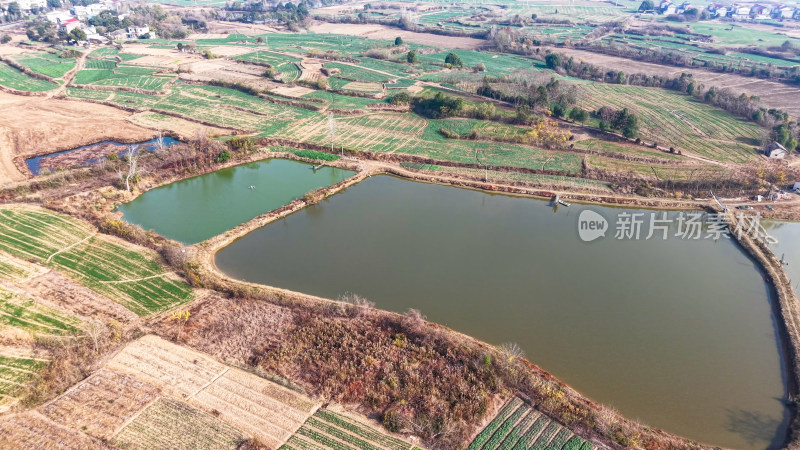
(225, 28)
(8, 50)
(38, 125)
(772, 94)
(375, 31)
(101, 404)
(32, 430)
(292, 91)
(230, 50)
(182, 127)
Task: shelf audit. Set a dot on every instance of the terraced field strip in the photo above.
(15, 79)
(331, 430)
(16, 270)
(96, 261)
(701, 128)
(31, 430)
(25, 314)
(257, 407)
(168, 423)
(15, 372)
(101, 404)
(46, 64)
(122, 76)
(520, 427)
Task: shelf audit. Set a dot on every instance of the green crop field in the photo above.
(130, 277)
(124, 76)
(288, 72)
(100, 64)
(46, 63)
(330, 430)
(355, 73)
(265, 57)
(15, 79)
(520, 426)
(25, 314)
(15, 372)
(172, 424)
(729, 34)
(672, 119)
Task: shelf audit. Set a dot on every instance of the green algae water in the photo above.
(679, 334)
(195, 209)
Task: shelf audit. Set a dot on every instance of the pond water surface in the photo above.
(678, 334)
(198, 208)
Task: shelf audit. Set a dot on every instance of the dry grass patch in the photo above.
(177, 370)
(18, 270)
(233, 330)
(31, 430)
(172, 424)
(101, 404)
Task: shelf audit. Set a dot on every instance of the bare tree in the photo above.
(132, 156)
(511, 352)
(95, 330)
(160, 141)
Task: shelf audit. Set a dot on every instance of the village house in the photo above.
(775, 151)
(69, 24)
(136, 32)
(783, 12)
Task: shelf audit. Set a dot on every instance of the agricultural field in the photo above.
(676, 120)
(16, 370)
(327, 429)
(32, 430)
(518, 425)
(168, 423)
(130, 276)
(27, 315)
(266, 57)
(135, 77)
(46, 64)
(258, 407)
(15, 269)
(15, 79)
(101, 404)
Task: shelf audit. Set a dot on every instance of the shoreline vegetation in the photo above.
(591, 420)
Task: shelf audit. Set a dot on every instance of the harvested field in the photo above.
(518, 425)
(232, 329)
(168, 423)
(176, 370)
(259, 407)
(131, 276)
(252, 404)
(185, 129)
(101, 404)
(773, 94)
(327, 429)
(35, 125)
(32, 430)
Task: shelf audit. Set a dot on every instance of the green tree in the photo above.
(578, 115)
(453, 60)
(485, 111)
(558, 110)
(77, 34)
(626, 122)
(412, 57)
(13, 9)
(5, 39)
(647, 5)
(398, 41)
(54, 3)
(621, 77)
(552, 60)
(223, 156)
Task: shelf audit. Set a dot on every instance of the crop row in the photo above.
(25, 314)
(15, 79)
(330, 430)
(131, 277)
(519, 427)
(15, 372)
(46, 63)
(172, 424)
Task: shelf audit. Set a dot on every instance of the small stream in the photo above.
(88, 154)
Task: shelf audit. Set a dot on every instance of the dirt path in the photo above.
(69, 76)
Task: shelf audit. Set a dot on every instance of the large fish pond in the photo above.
(679, 334)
